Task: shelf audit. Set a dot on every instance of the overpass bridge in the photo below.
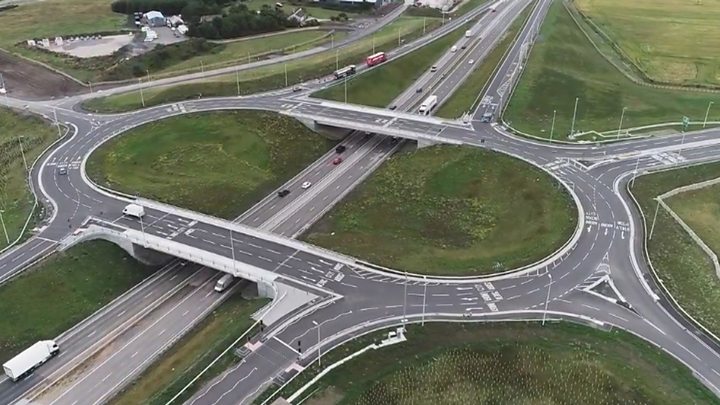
(421, 128)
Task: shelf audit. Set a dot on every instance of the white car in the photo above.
(306, 185)
(471, 61)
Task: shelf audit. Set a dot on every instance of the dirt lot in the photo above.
(33, 82)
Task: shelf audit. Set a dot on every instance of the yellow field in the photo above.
(674, 41)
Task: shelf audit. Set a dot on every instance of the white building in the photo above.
(154, 18)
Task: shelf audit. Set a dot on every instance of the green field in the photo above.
(16, 200)
(507, 363)
(195, 351)
(272, 76)
(564, 65)
(671, 41)
(380, 86)
(219, 163)
(54, 295)
(686, 271)
(450, 210)
(464, 97)
(242, 50)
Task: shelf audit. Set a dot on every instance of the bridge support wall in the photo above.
(329, 132)
(141, 254)
(424, 143)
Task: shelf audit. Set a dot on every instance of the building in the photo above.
(175, 21)
(154, 18)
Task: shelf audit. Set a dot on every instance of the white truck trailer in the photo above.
(30, 359)
(428, 105)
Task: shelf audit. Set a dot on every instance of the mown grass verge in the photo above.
(686, 271)
(52, 296)
(381, 85)
(219, 163)
(505, 363)
(19, 133)
(450, 210)
(189, 356)
(268, 77)
(564, 65)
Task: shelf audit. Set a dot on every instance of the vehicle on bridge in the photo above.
(376, 59)
(134, 210)
(428, 105)
(31, 358)
(344, 72)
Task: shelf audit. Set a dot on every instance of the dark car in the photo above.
(463, 47)
(419, 90)
(340, 149)
(393, 107)
(283, 193)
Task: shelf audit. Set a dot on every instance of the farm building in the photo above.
(154, 18)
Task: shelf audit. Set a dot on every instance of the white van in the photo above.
(134, 210)
(224, 282)
(454, 48)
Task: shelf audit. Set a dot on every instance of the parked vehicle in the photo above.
(134, 210)
(31, 358)
(224, 282)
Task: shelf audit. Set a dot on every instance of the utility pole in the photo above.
(547, 300)
(7, 238)
(332, 41)
(424, 20)
(398, 36)
(572, 127)
(337, 59)
(286, 78)
(90, 84)
(706, 113)
(142, 98)
(405, 300)
(622, 115)
(652, 228)
(373, 44)
(237, 80)
(552, 126)
(148, 73)
(424, 299)
(202, 67)
(22, 152)
(317, 325)
(57, 123)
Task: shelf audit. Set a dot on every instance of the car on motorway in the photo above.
(463, 47)
(393, 107)
(306, 185)
(224, 282)
(340, 149)
(419, 90)
(337, 160)
(471, 61)
(283, 193)
(62, 170)
(433, 68)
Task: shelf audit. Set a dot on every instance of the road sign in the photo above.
(685, 122)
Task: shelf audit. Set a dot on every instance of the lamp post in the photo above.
(706, 113)
(622, 115)
(547, 300)
(317, 325)
(57, 123)
(2, 221)
(22, 152)
(572, 126)
(424, 299)
(405, 300)
(552, 126)
(142, 98)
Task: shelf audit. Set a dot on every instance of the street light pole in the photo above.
(373, 43)
(317, 325)
(286, 77)
(622, 115)
(2, 221)
(424, 299)
(706, 113)
(552, 126)
(405, 300)
(424, 20)
(142, 98)
(148, 73)
(547, 300)
(572, 126)
(652, 228)
(337, 59)
(637, 164)
(22, 152)
(345, 85)
(57, 123)
(237, 80)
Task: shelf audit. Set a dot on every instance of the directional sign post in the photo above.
(685, 123)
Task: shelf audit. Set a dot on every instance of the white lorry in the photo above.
(30, 359)
(428, 105)
(134, 210)
(468, 33)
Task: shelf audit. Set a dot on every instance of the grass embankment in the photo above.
(673, 41)
(564, 65)
(218, 163)
(16, 199)
(462, 100)
(507, 364)
(269, 77)
(450, 210)
(381, 85)
(317, 12)
(176, 368)
(686, 271)
(54, 295)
